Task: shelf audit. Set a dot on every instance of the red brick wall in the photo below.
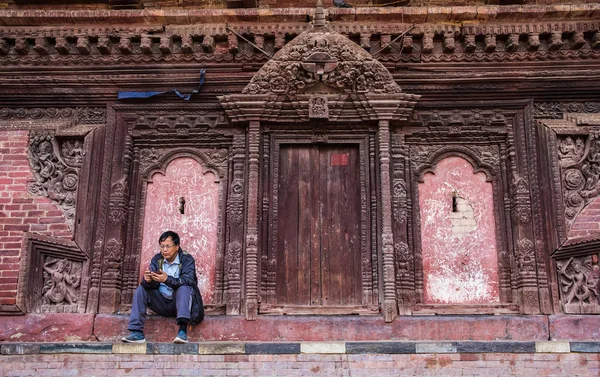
(20, 211)
(588, 221)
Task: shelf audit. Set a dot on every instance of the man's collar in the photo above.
(175, 261)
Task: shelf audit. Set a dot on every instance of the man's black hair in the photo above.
(169, 233)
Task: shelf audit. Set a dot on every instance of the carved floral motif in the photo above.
(53, 179)
(581, 180)
(555, 110)
(86, 115)
(320, 56)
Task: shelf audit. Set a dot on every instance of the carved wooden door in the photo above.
(317, 244)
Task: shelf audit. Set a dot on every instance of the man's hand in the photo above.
(159, 276)
(147, 276)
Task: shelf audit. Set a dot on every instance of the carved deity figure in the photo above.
(570, 151)
(576, 283)
(60, 282)
(318, 107)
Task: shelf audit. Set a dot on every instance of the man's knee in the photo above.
(140, 293)
(184, 290)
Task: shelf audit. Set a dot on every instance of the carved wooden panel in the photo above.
(579, 282)
(53, 276)
(55, 165)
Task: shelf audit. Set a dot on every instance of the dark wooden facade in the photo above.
(318, 151)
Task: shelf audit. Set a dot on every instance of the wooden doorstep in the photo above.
(483, 309)
(319, 310)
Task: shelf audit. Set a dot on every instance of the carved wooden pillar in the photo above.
(96, 302)
(404, 259)
(235, 223)
(525, 256)
(114, 224)
(537, 218)
(252, 222)
(390, 309)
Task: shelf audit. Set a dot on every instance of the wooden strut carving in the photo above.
(425, 43)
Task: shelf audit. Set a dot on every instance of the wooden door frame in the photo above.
(370, 270)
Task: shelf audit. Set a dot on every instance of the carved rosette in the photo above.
(53, 178)
(579, 279)
(580, 173)
(322, 56)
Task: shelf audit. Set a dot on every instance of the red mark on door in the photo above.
(339, 159)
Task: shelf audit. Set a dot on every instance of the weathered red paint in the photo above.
(47, 327)
(335, 328)
(197, 225)
(459, 252)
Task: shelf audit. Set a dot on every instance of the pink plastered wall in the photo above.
(460, 263)
(197, 226)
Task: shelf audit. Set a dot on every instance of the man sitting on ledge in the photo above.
(169, 288)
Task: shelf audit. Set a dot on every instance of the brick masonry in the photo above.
(587, 223)
(20, 211)
(294, 359)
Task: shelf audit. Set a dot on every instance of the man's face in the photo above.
(168, 249)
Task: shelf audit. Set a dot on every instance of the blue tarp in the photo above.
(133, 95)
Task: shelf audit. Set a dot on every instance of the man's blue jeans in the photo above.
(180, 306)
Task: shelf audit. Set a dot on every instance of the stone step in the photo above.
(294, 348)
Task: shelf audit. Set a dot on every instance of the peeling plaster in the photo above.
(197, 226)
(459, 248)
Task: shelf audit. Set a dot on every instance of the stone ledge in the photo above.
(293, 348)
(360, 14)
(439, 329)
